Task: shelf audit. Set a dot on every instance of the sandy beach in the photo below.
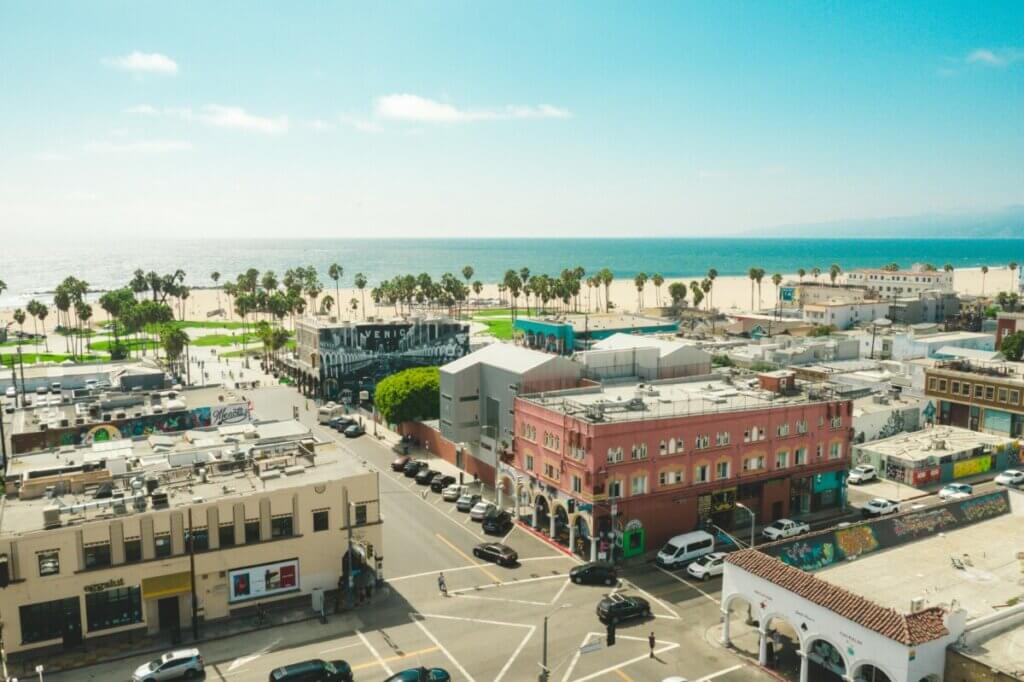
(730, 294)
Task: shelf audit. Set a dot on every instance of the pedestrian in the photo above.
(651, 641)
(442, 585)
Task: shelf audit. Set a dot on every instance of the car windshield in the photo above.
(863, 469)
(154, 665)
(778, 525)
(669, 548)
(704, 560)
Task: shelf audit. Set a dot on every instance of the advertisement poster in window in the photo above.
(265, 580)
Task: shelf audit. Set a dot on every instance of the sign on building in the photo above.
(264, 580)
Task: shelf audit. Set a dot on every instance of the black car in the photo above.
(315, 670)
(340, 423)
(497, 524)
(421, 675)
(594, 573)
(616, 608)
(503, 555)
(354, 431)
(398, 464)
(425, 476)
(412, 467)
(439, 483)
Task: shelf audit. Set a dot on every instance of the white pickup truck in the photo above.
(784, 528)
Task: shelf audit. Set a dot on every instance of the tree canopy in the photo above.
(410, 394)
(1012, 346)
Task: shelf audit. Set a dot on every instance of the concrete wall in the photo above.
(883, 423)
(962, 668)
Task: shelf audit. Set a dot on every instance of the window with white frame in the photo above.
(746, 436)
(722, 438)
(701, 473)
(800, 456)
(638, 484)
(753, 463)
(551, 471)
(835, 450)
(701, 441)
(577, 484)
(783, 430)
(662, 447)
(615, 455)
(577, 453)
(837, 422)
(781, 460)
(614, 489)
(817, 452)
(722, 470)
(801, 426)
(529, 462)
(639, 451)
(670, 477)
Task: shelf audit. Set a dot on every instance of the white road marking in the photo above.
(242, 660)
(688, 584)
(513, 530)
(515, 654)
(725, 671)
(380, 661)
(339, 648)
(674, 616)
(466, 568)
(669, 646)
(508, 583)
(440, 646)
(559, 593)
(511, 601)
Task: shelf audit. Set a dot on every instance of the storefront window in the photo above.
(163, 545)
(113, 608)
(132, 550)
(43, 621)
(281, 526)
(97, 555)
(227, 535)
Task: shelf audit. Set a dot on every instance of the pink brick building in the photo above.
(653, 460)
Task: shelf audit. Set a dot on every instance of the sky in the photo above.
(478, 119)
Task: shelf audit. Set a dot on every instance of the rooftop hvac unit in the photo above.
(916, 604)
(64, 422)
(139, 503)
(159, 500)
(51, 517)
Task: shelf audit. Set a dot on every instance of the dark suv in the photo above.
(497, 524)
(413, 467)
(594, 573)
(315, 670)
(426, 475)
(439, 483)
(616, 608)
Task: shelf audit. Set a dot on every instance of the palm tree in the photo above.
(712, 275)
(353, 303)
(677, 292)
(948, 267)
(705, 287)
(657, 280)
(43, 312)
(83, 311)
(752, 274)
(478, 287)
(19, 317)
(698, 294)
(360, 281)
(326, 303)
(759, 277)
(215, 276)
(173, 340)
(777, 280)
(984, 271)
(606, 279)
(514, 285)
(313, 286)
(815, 272)
(640, 280)
(833, 272)
(1013, 267)
(335, 272)
(800, 272)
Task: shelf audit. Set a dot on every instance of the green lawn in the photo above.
(499, 329)
(8, 359)
(224, 339)
(258, 350)
(133, 344)
(209, 324)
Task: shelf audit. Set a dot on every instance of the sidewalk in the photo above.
(303, 624)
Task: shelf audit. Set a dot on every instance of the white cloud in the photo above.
(320, 126)
(144, 62)
(406, 107)
(235, 118)
(142, 110)
(361, 125)
(50, 156)
(995, 57)
(140, 146)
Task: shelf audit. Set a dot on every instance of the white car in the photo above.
(862, 473)
(707, 566)
(784, 528)
(1010, 477)
(482, 509)
(184, 663)
(956, 491)
(11, 392)
(454, 492)
(879, 507)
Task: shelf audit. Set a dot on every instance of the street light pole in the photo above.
(544, 672)
(751, 512)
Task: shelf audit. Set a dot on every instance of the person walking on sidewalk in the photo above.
(442, 585)
(651, 641)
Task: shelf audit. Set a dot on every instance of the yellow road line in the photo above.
(373, 664)
(623, 675)
(468, 558)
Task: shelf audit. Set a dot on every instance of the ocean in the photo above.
(34, 269)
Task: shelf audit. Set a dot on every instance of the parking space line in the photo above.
(515, 654)
(471, 566)
(631, 661)
(392, 659)
(458, 551)
(724, 671)
(674, 616)
(688, 584)
(381, 661)
(440, 646)
(558, 594)
(463, 595)
(339, 648)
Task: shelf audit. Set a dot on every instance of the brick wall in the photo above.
(432, 440)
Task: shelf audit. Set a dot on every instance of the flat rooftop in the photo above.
(936, 441)
(870, 404)
(626, 402)
(988, 581)
(321, 322)
(602, 321)
(239, 460)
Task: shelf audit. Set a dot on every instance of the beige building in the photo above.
(95, 541)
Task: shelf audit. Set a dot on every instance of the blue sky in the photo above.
(477, 119)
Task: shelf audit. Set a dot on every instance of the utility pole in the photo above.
(347, 561)
(192, 576)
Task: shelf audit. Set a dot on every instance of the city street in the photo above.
(490, 627)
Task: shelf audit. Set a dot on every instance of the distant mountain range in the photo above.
(1006, 223)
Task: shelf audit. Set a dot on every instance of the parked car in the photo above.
(707, 566)
(354, 431)
(862, 473)
(594, 573)
(617, 607)
(956, 491)
(498, 523)
(314, 670)
(425, 476)
(439, 483)
(482, 509)
(1012, 477)
(784, 528)
(183, 663)
(339, 424)
(421, 675)
(682, 549)
(398, 463)
(879, 506)
(11, 392)
(412, 467)
(453, 492)
(467, 502)
(503, 555)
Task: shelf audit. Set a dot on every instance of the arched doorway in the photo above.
(825, 660)
(582, 540)
(781, 647)
(739, 627)
(523, 507)
(869, 672)
(560, 530)
(541, 513)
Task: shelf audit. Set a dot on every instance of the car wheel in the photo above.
(705, 577)
(577, 580)
(647, 613)
(191, 674)
(476, 553)
(609, 582)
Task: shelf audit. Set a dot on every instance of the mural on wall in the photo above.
(982, 508)
(923, 522)
(970, 467)
(856, 540)
(809, 556)
(355, 358)
(896, 424)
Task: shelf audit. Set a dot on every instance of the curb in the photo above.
(545, 538)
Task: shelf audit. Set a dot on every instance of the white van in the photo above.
(682, 549)
(328, 412)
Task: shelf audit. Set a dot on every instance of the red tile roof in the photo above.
(908, 629)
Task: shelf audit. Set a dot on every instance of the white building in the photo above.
(890, 284)
(645, 357)
(889, 344)
(845, 315)
(881, 416)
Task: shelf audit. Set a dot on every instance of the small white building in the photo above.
(890, 284)
(646, 357)
(844, 315)
(884, 415)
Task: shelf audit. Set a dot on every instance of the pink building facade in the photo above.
(647, 479)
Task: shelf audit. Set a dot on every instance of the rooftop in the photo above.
(1011, 372)
(871, 404)
(624, 402)
(934, 442)
(56, 371)
(601, 321)
(622, 341)
(202, 465)
(327, 322)
(503, 355)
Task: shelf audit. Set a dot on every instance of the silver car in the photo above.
(482, 509)
(181, 664)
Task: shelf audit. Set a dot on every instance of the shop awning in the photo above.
(166, 585)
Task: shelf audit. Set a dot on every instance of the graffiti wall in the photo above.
(816, 551)
(136, 427)
(354, 358)
(970, 467)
